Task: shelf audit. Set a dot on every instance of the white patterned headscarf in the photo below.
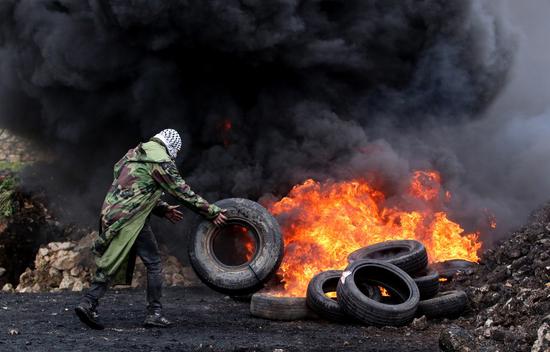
(171, 140)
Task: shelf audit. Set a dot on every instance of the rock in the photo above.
(65, 260)
(69, 266)
(542, 344)
(8, 288)
(420, 323)
(67, 282)
(43, 252)
(178, 280)
(78, 286)
(191, 279)
(76, 271)
(457, 339)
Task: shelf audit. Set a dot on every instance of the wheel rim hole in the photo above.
(329, 288)
(390, 286)
(234, 245)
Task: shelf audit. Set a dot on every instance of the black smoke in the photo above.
(323, 89)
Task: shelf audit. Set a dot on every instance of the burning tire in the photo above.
(448, 304)
(428, 283)
(408, 255)
(279, 308)
(356, 303)
(239, 257)
(328, 307)
(450, 268)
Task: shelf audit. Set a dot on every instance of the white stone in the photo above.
(542, 344)
(8, 288)
(67, 282)
(65, 260)
(78, 286)
(43, 252)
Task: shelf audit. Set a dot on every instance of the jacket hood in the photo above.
(152, 151)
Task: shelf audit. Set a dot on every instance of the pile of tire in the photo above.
(386, 284)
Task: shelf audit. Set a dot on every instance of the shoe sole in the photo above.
(81, 314)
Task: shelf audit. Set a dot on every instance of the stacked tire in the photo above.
(386, 284)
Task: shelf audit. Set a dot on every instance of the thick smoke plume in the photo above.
(268, 93)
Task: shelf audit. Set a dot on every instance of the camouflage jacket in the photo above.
(140, 179)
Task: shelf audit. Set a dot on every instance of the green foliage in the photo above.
(7, 188)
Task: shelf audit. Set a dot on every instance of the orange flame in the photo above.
(323, 223)
(425, 185)
(383, 291)
(250, 250)
(491, 219)
(247, 239)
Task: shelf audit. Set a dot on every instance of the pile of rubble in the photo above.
(510, 292)
(70, 266)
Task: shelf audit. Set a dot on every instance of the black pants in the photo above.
(146, 248)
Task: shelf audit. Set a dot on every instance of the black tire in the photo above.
(271, 307)
(450, 268)
(326, 307)
(408, 255)
(368, 311)
(247, 277)
(427, 282)
(450, 304)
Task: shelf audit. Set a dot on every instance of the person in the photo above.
(140, 179)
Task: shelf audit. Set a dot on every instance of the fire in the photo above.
(250, 249)
(491, 219)
(225, 127)
(323, 223)
(425, 185)
(383, 291)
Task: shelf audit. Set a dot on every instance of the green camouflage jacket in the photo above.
(140, 179)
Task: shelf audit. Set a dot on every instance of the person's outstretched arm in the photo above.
(167, 176)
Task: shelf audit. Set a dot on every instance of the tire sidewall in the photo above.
(248, 277)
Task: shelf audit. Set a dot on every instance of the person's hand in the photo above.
(220, 219)
(173, 214)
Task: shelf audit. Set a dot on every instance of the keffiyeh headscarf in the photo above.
(171, 140)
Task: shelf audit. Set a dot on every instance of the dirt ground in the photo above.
(204, 321)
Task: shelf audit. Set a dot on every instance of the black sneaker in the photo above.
(156, 320)
(88, 316)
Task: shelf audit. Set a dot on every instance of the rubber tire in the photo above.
(450, 304)
(326, 307)
(427, 282)
(415, 258)
(449, 268)
(249, 277)
(271, 307)
(369, 311)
